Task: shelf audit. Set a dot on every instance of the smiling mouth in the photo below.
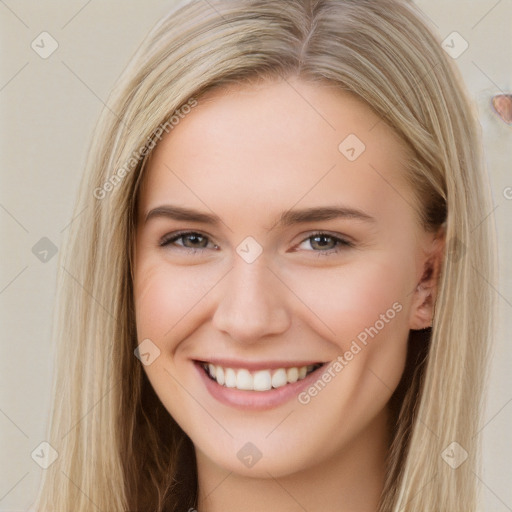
(261, 380)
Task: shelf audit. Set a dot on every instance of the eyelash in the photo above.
(340, 242)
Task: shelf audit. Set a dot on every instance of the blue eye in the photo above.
(195, 240)
(326, 243)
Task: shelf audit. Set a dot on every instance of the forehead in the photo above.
(267, 147)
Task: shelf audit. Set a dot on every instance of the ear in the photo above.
(425, 293)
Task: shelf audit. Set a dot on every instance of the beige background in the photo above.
(48, 108)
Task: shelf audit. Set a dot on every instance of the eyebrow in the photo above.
(287, 218)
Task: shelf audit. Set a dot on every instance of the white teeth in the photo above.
(292, 375)
(262, 380)
(219, 375)
(230, 377)
(279, 378)
(244, 380)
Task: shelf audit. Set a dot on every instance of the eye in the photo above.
(191, 240)
(325, 243)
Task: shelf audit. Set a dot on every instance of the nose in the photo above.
(252, 303)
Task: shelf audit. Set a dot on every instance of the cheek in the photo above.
(154, 302)
(352, 298)
(163, 297)
(365, 305)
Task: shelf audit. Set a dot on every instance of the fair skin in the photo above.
(248, 155)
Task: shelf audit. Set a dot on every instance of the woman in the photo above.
(276, 297)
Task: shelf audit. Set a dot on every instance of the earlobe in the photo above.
(425, 294)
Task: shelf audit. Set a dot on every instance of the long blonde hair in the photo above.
(119, 449)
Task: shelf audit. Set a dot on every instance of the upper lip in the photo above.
(257, 365)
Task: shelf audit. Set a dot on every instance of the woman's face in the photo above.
(275, 233)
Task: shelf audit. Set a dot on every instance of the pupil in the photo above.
(321, 240)
(195, 239)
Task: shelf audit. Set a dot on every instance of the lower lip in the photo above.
(255, 400)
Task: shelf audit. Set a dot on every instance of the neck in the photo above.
(351, 480)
